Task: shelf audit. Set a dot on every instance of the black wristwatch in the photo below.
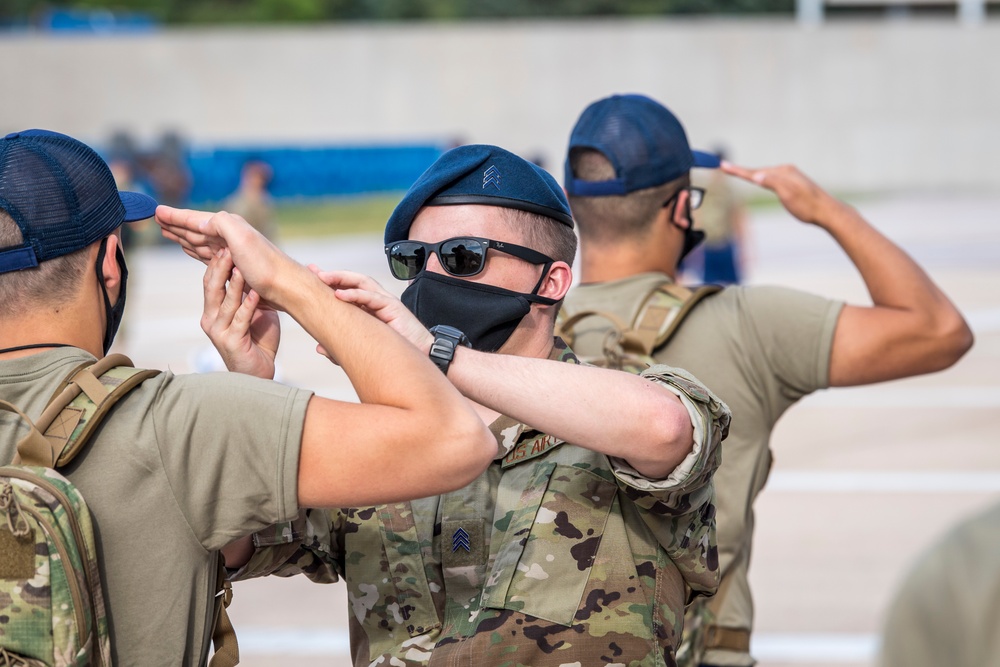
(446, 340)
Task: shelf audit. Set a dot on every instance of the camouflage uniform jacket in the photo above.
(556, 555)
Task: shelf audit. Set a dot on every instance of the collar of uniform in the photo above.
(612, 286)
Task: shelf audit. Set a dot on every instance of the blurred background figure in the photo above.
(947, 610)
(252, 200)
(167, 170)
(122, 158)
(722, 258)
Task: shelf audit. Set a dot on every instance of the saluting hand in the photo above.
(798, 194)
(202, 234)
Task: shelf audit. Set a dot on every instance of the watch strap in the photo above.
(446, 341)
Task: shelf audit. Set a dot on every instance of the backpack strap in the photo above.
(79, 405)
(656, 324)
(34, 449)
(564, 326)
(653, 325)
(227, 650)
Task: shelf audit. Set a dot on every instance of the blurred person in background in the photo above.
(722, 216)
(592, 528)
(947, 610)
(760, 348)
(123, 163)
(167, 170)
(252, 201)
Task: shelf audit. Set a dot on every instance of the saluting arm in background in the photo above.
(911, 328)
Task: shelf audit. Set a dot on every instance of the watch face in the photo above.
(451, 333)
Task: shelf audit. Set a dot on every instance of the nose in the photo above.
(433, 263)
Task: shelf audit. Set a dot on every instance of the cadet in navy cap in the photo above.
(176, 467)
(592, 528)
(760, 348)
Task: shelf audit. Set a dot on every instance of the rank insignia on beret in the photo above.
(491, 175)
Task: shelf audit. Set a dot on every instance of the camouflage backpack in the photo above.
(630, 346)
(51, 601)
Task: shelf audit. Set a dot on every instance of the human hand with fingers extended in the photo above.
(366, 293)
(797, 192)
(245, 332)
(202, 235)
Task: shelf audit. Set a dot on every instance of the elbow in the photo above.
(955, 338)
(470, 450)
(669, 437)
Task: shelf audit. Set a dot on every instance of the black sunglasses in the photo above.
(461, 256)
(695, 197)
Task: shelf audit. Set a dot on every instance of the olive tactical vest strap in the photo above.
(227, 650)
(77, 408)
(653, 325)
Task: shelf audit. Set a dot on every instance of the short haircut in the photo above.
(544, 234)
(616, 217)
(51, 283)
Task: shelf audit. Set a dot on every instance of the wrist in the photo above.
(834, 212)
(446, 341)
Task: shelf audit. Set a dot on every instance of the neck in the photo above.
(599, 264)
(533, 337)
(67, 324)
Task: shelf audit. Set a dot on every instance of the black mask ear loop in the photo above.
(692, 237)
(112, 314)
(534, 293)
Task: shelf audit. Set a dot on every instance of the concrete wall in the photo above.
(861, 106)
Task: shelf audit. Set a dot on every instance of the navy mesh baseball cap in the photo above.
(642, 139)
(480, 174)
(62, 195)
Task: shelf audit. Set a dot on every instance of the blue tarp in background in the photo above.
(301, 173)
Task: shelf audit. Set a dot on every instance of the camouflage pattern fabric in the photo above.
(556, 555)
(51, 606)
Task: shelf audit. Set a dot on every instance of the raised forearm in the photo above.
(893, 278)
(357, 340)
(612, 412)
(912, 326)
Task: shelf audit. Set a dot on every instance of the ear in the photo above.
(109, 267)
(680, 212)
(557, 282)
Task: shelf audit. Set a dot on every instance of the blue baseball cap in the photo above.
(62, 196)
(480, 174)
(644, 141)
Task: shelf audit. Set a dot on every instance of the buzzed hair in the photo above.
(616, 217)
(544, 234)
(51, 283)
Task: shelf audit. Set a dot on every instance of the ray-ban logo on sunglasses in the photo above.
(491, 175)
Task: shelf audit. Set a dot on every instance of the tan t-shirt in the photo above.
(183, 465)
(760, 349)
(946, 611)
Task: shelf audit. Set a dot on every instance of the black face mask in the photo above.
(692, 237)
(112, 314)
(488, 315)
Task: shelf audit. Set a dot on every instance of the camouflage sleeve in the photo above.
(680, 510)
(306, 546)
